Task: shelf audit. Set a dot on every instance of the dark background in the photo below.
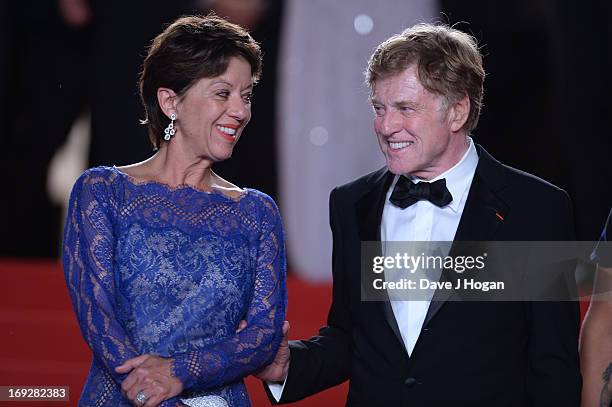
(547, 109)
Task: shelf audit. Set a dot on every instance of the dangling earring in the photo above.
(169, 131)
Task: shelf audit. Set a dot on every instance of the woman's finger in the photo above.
(154, 400)
(155, 393)
(128, 383)
(241, 326)
(136, 381)
(130, 364)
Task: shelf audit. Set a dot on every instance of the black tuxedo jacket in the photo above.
(468, 353)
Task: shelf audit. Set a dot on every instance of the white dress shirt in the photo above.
(422, 222)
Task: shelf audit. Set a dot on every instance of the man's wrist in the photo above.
(286, 370)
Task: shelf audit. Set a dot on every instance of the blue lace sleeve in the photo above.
(256, 345)
(88, 267)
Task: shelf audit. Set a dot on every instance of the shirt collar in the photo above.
(459, 177)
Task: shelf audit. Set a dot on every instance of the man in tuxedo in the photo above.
(438, 185)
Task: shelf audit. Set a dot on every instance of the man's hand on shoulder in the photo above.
(278, 369)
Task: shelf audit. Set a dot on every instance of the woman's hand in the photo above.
(152, 376)
(149, 375)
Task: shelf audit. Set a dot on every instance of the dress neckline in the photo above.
(179, 187)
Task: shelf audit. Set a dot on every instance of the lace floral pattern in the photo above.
(172, 272)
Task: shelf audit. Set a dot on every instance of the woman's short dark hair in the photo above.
(189, 49)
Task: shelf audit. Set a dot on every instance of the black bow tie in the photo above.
(407, 193)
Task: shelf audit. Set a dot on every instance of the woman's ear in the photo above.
(459, 113)
(167, 100)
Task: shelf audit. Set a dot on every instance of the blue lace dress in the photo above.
(172, 272)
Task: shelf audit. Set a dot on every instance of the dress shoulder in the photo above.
(96, 175)
(99, 174)
(263, 201)
(100, 185)
(263, 208)
(260, 196)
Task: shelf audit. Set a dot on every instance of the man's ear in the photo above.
(459, 113)
(167, 100)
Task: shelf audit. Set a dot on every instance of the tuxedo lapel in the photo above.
(484, 212)
(370, 207)
(369, 211)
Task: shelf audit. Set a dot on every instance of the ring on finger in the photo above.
(141, 398)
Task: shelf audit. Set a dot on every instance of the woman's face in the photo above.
(213, 112)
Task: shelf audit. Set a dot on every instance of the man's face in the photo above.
(413, 127)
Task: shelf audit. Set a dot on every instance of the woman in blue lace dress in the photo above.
(164, 259)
